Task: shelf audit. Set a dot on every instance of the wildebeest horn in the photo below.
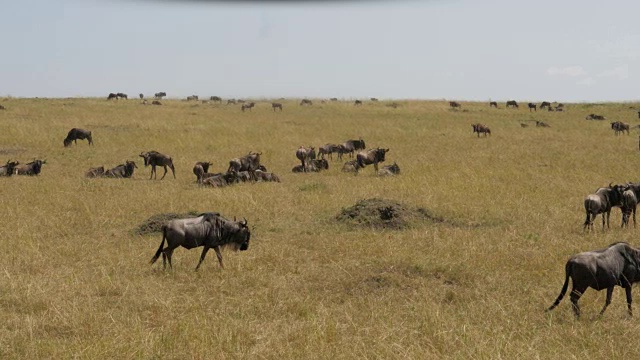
(610, 185)
(245, 221)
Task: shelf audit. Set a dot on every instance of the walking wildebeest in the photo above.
(357, 102)
(122, 96)
(32, 169)
(545, 104)
(629, 205)
(121, 171)
(160, 95)
(210, 230)
(493, 104)
(479, 128)
(371, 156)
(620, 127)
(9, 168)
(595, 117)
(95, 172)
(512, 103)
(275, 106)
(303, 154)
(249, 162)
(154, 159)
(390, 170)
(216, 99)
(248, 106)
(618, 264)
(75, 134)
(601, 203)
(112, 96)
(532, 106)
(305, 102)
(351, 146)
(454, 104)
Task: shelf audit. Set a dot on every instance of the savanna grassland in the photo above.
(75, 279)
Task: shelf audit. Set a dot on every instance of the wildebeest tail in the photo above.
(567, 271)
(164, 237)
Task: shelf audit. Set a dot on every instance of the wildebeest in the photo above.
(329, 149)
(601, 202)
(618, 264)
(247, 106)
(454, 104)
(95, 172)
(160, 95)
(156, 102)
(390, 170)
(512, 103)
(479, 128)
(357, 102)
(595, 117)
(275, 106)
(192, 97)
(216, 99)
(493, 104)
(122, 96)
(200, 169)
(560, 107)
(210, 230)
(523, 125)
(231, 101)
(9, 168)
(351, 146)
(215, 180)
(315, 165)
(266, 176)
(2, 107)
(619, 127)
(542, 124)
(306, 102)
(333, 99)
(154, 159)
(532, 106)
(304, 154)
(351, 166)
(32, 168)
(249, 162)
(545, 104)
(371, 156)
(141, 95)
(374, 99)
(112, 96)
(121, 171)
(74, 134)
(629, 205)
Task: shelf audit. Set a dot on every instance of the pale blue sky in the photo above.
(467, 50)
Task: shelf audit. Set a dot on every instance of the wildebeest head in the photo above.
(67, 142)
(234, 233)
(380, 153)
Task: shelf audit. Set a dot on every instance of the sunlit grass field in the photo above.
(75, 280)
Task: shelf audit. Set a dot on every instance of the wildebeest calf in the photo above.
(74, 134)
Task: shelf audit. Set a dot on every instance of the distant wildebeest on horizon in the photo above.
(192, 97)
(8, 169)
(595, 117)
(160, 95)
(74, 134)
(154, 159)
(121, 171)
(141, 95)
(112, 96)
(479, 128)
(493, 104)
(619, 127)
(545, 104)
(532, 106)
(210, 230)
(560, 107)
(306, 102)
(305, 154)
(371, 156)
(275, 106)
(247, 106)
(249, 162)
(231, 101)
(333, 99)
(94, 172)
(374, 99)
(601, 202)
(389, 170)
(216, 99)
(454, 104)
(616, 265)
(357, 102)
(512, 103)
(32, 168)
(351, 146)
(122, 96)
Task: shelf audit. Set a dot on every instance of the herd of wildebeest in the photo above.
(616, 265)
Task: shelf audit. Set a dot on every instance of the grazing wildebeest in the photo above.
(629, 205)
(512, 103)
(305, 102)
(216, 99)
(333, 99)
(493, 104)
(74, 134)
(619, 127)
(329, 149)
(618, 264)
(156, 102)
(601, 203)
(351, 166)
(210, 230)
(371, 156)
(374, 99)
(595, 117)
(32, 169)
(154, 159)
(192, 97)
(247, 106)
(249, 162)
(122, 96)
(545, 104)
(479, 128)
(9, 168)
(160, 95)
(112, 96)
(231, 101)
(304, 154)
(357, 102)
(454, 104)
(351, 146)
(141, 95)
(532, 106)
(390, 170)
(95, 172)
(121, 171)
(275, 106)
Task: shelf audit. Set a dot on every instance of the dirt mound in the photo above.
(155, 222)
(385, 214)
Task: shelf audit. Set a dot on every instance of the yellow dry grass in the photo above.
(75, 281)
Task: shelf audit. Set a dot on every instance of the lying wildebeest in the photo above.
(74, 134)
(512, 103)
(210, 230)
(595, 117)
(249, 162)
(192, 97)
(542, 124)
(121, 171)
(532, 106)
(305, 102)
(32, 168)
(216, 99)
(629, 205)
(141, 95)
(454, 104)
(390, 170)
(374, 99)
(351, 166)
(315, 165)
(247, 106)
(95, 172)
(112, 96)
(371, 156)
(9, 168)
(333, 99)
(351, 146)
(275, 106)
(545, 104)
(357, 102)
(479, 128)
(266, 176)
(156, 102)
(154, 159)
(493, 104)
(215, 180)
(201, 168)
(122, 96)
(160, 95)
(618, 264)
(620, 127)
(601, 203)
(303, 154)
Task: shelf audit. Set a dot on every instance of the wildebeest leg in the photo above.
(587, 221)
(627, 290)
(165, 172)
(173, 170)
(608, 300)
(375, 166)
(204, 253)
(153, 169)
(575, 296)
(219, 255)
(169, 252)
